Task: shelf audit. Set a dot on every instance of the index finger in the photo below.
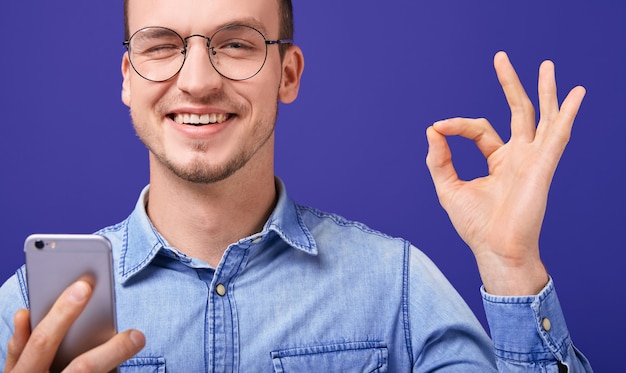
(46, 337)
(478, 130)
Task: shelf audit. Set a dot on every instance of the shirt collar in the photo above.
(286, 221)
(142, 242)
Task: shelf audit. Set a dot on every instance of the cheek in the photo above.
(263, 95)
(145, 96)
(263, 107)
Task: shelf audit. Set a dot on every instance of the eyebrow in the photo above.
(246, 21)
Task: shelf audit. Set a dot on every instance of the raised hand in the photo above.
(500, 215)
(34, 352)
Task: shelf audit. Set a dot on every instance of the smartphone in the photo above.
(53, 262)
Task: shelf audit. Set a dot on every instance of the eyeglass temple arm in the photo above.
(126, 43)
(283, 41)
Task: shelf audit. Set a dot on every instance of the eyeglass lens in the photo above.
(236, 52)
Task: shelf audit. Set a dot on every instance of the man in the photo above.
(218, 270)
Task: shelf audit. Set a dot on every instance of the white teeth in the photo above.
(200, 119)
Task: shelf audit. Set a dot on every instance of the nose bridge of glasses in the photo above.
(206, 38)
(199, 63)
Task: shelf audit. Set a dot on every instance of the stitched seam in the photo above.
(21, 278)
(405, 300)
(341, 221)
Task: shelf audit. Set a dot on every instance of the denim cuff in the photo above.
(528, 328)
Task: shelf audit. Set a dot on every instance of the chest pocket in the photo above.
(354, 357)
(144, 365)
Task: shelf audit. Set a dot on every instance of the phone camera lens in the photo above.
(39, 244)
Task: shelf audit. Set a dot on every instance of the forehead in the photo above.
(204, 16)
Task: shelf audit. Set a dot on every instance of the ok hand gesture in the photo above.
(500, 215)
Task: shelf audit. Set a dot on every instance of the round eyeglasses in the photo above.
(236, 52)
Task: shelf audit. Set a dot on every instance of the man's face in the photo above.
(245, 111)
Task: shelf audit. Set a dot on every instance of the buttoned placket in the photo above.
(223, 331)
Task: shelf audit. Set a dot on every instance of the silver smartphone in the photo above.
(53, 262)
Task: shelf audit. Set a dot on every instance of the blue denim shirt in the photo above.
(311, 292)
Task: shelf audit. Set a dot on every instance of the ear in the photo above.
(126, 79)
(293, 66)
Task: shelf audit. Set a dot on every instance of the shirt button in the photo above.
(546, 324)
(257, 240)
(220, 289)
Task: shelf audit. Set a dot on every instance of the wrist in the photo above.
(513, 278)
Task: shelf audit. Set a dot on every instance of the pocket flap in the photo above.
(144, 365)
(337, 357)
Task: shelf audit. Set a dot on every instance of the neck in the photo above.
(201, 220)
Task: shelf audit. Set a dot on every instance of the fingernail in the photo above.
(137, 338)
(79, 291)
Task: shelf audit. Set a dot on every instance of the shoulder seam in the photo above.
(405, 301)
(341, 221)
(21, 278)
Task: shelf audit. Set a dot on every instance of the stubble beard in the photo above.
(200, 172)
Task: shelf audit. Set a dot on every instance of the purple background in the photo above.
(377, 74)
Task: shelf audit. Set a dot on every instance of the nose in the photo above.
(198, 77)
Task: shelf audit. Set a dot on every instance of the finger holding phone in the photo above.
(74, 326)
(34, 352)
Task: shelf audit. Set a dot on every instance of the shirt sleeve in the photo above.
(530, 334)
(12, 298)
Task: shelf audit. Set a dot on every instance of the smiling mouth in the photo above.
(199, 120)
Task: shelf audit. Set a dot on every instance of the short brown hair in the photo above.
(286, 22)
